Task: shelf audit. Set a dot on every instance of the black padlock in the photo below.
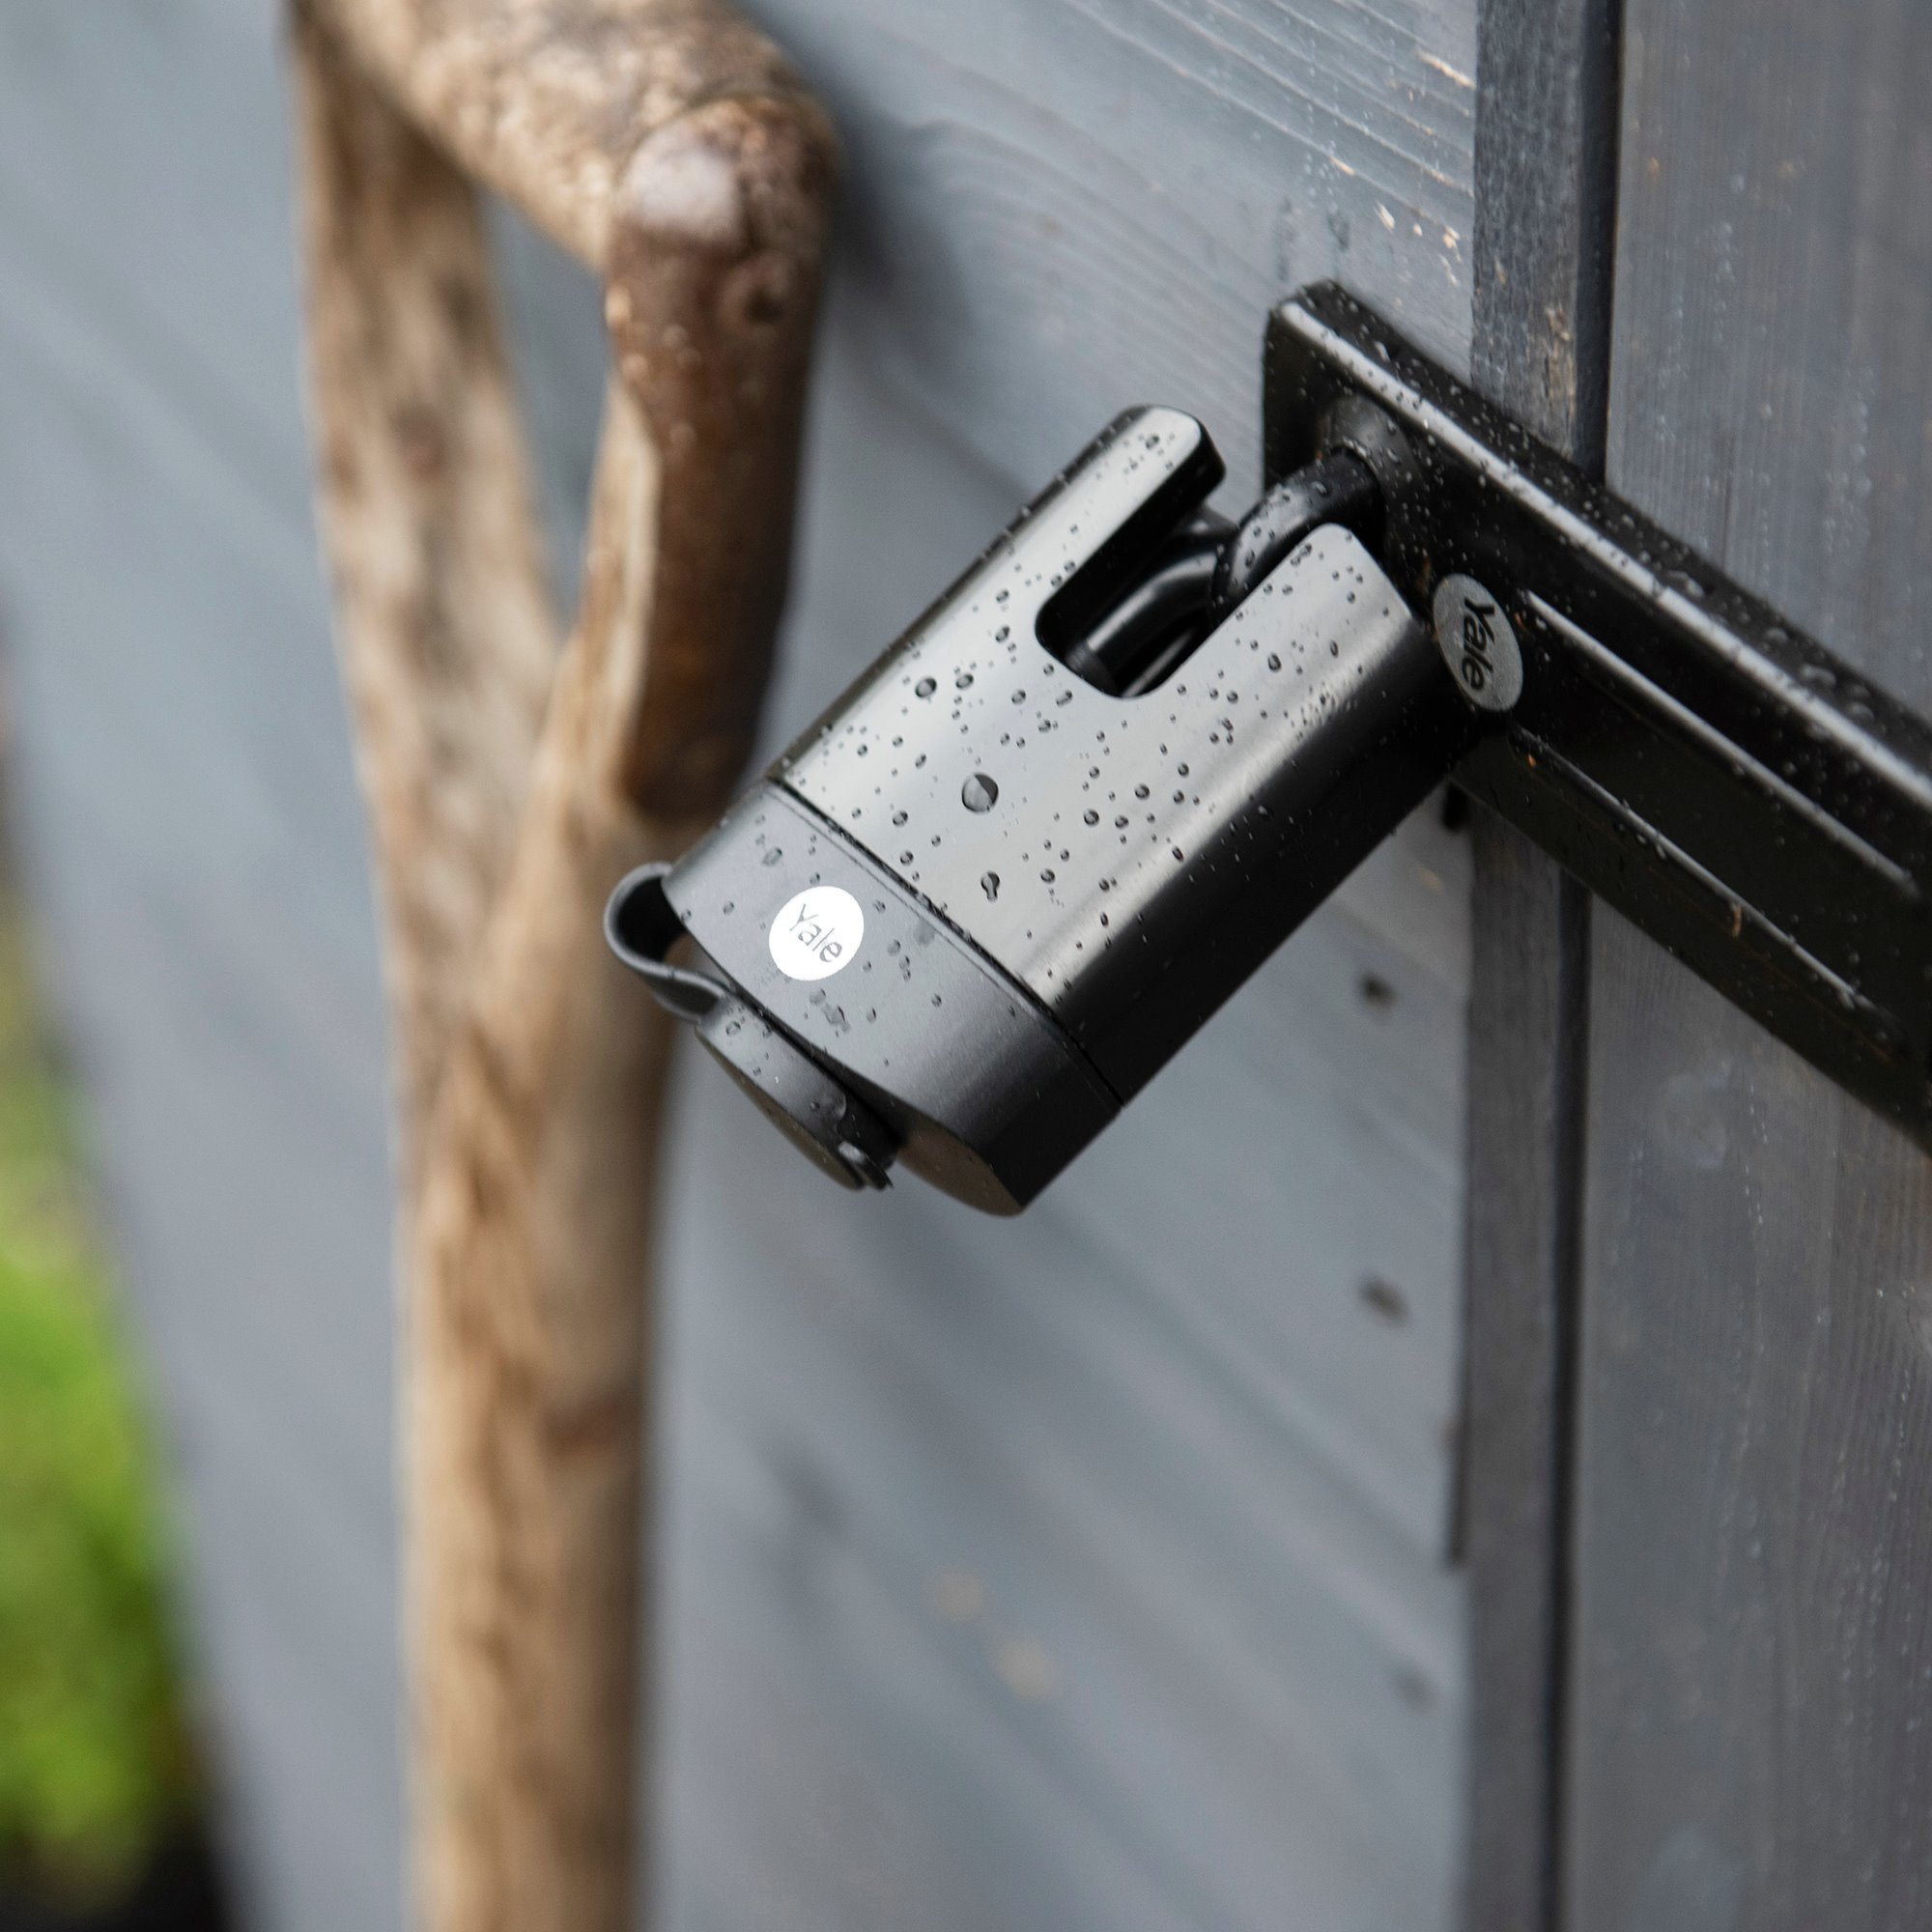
(984, 899)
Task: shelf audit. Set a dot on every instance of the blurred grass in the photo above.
(94, 1765)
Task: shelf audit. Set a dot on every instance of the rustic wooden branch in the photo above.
(510, 784)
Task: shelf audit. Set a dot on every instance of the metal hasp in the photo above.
(1716, 775)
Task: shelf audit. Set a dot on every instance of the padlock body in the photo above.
(1058, 885)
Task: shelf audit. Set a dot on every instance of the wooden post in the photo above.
(511, 780)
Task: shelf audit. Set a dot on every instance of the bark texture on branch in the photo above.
(547, 100)
(511, 780)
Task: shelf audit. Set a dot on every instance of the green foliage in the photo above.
(92, 1755)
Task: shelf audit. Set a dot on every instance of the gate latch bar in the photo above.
(1748, 800)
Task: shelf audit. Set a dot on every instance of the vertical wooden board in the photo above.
(1544, 187)
(1754, 1527)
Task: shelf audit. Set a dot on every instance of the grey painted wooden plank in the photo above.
(1527, 1039)
(1545, 189)
(1545, 198)
(1754, 1558)
(1087, 1569)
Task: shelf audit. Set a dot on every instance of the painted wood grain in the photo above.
(1754, 1529)
(1049, 207)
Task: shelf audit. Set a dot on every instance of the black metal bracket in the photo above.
(1746, 799)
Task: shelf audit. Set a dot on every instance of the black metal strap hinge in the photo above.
(1742, 795)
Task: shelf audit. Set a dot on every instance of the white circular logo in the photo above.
(1477, 644)
(816, 933)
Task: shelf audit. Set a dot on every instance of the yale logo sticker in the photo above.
(817, 931)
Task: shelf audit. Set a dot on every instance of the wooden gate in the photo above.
(1456, 1452)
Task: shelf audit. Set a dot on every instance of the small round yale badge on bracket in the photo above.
(1477, 644)
(817, 932)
